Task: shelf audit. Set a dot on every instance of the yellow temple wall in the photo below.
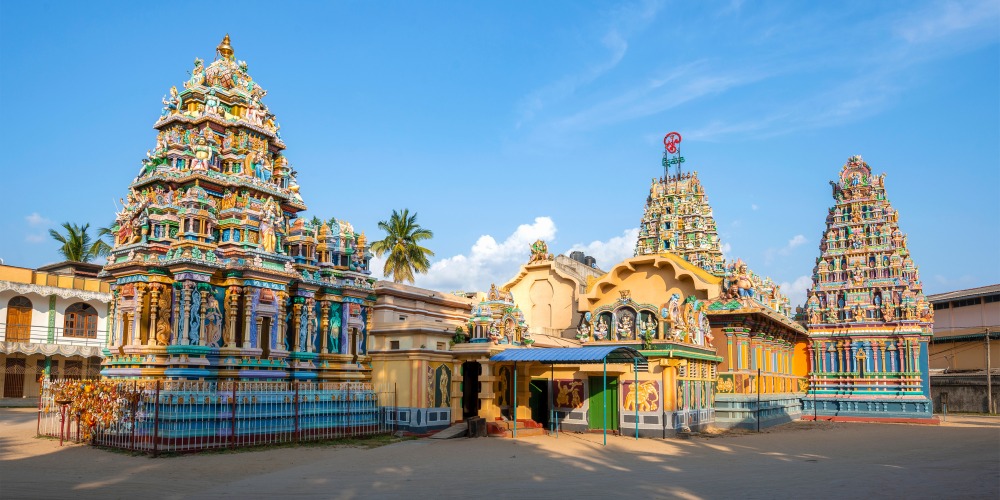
(549, 299)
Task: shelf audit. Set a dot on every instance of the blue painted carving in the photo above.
(274, 334)
(303, 328)
(254, 302)
(333, 341)
(195, 318)
(363, 333)
(314, 327)
(344, 314)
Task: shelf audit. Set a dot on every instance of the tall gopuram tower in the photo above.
(214, 274)
(868, 320)
(678, 218)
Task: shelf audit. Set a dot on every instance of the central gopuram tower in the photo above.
(868, 320)
(214, 273)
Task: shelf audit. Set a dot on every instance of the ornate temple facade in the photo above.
(869, 322)
(678, 219)
(214, 272)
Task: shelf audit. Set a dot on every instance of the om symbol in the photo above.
(670, 141)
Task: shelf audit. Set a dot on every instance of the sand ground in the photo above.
(958, 459)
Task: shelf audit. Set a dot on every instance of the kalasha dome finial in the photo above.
(224, 49)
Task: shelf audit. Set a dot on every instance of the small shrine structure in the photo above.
(869, 322)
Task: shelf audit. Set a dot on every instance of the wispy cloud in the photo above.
(942, 20)
(795, 242)
(614, 45)
(37, 220)
(37, 223)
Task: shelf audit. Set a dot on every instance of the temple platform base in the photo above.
(911, 409)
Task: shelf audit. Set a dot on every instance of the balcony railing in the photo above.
(39, 334)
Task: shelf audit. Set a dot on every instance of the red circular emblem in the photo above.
(670, 141)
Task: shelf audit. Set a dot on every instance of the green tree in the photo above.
(402, 242)
(77, 244)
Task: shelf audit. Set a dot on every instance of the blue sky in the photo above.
(500, 123)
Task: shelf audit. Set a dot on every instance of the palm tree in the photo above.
(77, 245)
(401, 242)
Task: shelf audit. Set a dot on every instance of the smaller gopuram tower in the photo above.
(678, 218)
(214, 273)
(868, 320)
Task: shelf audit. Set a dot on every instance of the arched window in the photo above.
(80, 321)
(18, 320)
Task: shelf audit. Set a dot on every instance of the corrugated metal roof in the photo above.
(572, 355)
(964, 294)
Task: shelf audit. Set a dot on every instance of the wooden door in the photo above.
(18, 320)
(13, 380)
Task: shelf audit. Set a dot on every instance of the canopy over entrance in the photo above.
(573, 355)
(577, 356)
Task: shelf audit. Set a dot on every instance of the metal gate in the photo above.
(13, 379)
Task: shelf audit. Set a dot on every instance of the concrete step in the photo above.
(457, 430)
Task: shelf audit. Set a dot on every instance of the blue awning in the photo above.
(572, 355)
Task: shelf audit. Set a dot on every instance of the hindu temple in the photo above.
(869, 322)
(215, 273)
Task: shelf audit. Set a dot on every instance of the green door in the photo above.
(597, 392)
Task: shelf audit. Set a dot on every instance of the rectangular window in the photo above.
(394, 345)
(989, 299)
(402, 318)
(442, 346)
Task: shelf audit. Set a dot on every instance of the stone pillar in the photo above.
(140, 295)
(247, 310)
(154, 297)
(202, 337)
(310, 319)
(324, 326)
(259, 320)
(175, 329)
(232, 304)
(281, 297)
(186, 313)
(296, 324)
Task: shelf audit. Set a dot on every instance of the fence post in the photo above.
(135, 410)
(232, 419)
(296, 410)
(156, 421)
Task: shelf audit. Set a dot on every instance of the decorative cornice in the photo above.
(43, 290)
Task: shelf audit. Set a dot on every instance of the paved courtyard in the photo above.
(959, 459)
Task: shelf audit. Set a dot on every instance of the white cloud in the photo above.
(753, 206)
(796, 241)
(726, 248)
(488, 261)
(610, 252)
(796, 290)
(34, 238)
(376, 266)
(37, 220)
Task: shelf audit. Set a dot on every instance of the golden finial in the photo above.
(224, 49)
(362, 240)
